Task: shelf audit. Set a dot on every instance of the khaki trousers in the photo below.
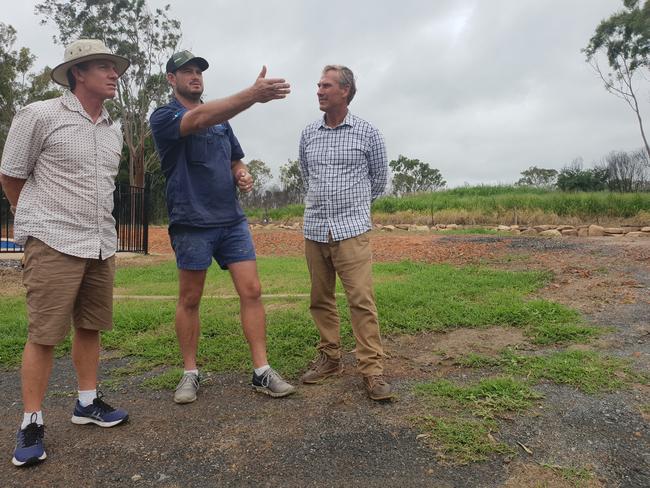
(351, 259)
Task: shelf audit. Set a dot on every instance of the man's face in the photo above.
(99, 78)
(187, 81)
(331, 96)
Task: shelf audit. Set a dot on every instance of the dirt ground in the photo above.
(333, 435)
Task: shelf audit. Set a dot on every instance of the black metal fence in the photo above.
(7, 227)
(131, 212)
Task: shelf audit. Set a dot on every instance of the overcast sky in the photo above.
(479, 89)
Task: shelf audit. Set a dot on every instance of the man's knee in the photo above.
(250, 290)
(189, 301)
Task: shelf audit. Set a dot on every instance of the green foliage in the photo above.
(624, 39)
(574, 178)
(292, 182)
(538, 177)
(262, 175)
(164, 381)
(462, 441)
(410, 298)
(588, 371)
(147, 38)
(494, 200)
(488, 398)
(18, 85)
(413, 175)
(294, 211)
(449, 297)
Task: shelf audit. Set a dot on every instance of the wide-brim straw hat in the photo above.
(86, 50)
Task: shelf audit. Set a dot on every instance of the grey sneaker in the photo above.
(271, 383)
(187, 388)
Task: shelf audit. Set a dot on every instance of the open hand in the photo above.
(267, 89)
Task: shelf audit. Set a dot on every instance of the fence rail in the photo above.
(131, 212)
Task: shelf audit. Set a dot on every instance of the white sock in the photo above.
(194, 371)
(86, 397)
(261, 369)
(27, 418)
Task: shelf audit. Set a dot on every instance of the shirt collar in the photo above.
(348, 120)
(71, 102)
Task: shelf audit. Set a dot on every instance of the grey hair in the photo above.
(346, 78)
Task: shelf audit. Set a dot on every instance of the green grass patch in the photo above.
(488, 398)
(164, 381)
(576, 476)
(280, 275)
(492, 204)
(439, 297)
(488, 201)
(410, 298)
(462, 441)
(458, 434)
(588, 371)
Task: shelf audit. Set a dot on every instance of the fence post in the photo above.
(145, 213)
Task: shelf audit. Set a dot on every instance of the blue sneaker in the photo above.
(29, 445)
(99, 413)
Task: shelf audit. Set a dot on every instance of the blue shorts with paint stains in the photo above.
(196, 246)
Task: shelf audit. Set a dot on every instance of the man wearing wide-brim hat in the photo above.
(58, 171)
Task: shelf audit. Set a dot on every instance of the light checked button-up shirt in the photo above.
(70, 164)
(343, 169)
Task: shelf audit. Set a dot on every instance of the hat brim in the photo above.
(59, 72)
(200, 62)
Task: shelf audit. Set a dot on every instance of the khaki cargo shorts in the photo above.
(64, 289)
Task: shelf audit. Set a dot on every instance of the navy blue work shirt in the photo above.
(200, 187)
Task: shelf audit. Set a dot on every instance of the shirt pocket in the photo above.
(220, 142)
(198, 147)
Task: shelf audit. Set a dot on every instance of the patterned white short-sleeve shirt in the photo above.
(70, 164)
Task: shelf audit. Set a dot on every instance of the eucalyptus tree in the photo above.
(19, 85)
(147, 38)
(624, 39)
(413, 175)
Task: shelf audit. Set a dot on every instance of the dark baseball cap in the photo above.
(183, 57)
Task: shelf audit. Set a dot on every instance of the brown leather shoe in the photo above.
(378, 388)
(322, 367)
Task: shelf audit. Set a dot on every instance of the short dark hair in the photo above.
(72, 81)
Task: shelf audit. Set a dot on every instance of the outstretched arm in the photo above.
(218, 111)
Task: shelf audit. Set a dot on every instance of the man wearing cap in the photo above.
(344, 168)
(58, 170)
(202, 162)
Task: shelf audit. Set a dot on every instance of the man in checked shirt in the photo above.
(344, 168)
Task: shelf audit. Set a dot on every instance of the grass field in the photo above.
(498, 205)
(457, 418)
(411, 298)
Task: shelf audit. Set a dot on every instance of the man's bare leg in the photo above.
(247, 283)
(188, 327)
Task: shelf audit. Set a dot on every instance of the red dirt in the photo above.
(386, 247)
